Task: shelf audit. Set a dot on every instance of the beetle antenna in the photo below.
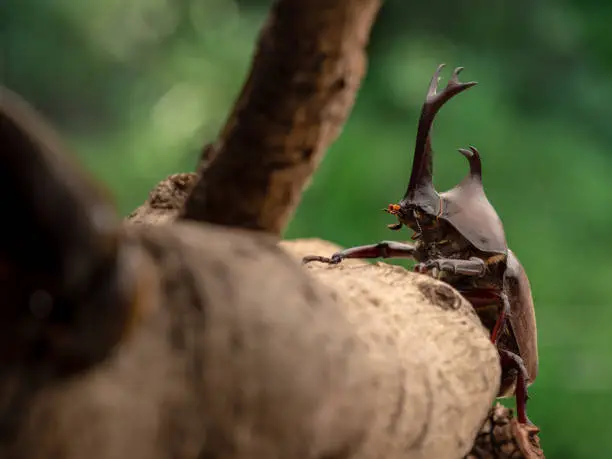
(421, 175)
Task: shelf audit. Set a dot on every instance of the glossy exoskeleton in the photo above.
(459, 238)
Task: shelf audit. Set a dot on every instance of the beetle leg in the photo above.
(384, 249)
(473, 267)
(501, 319)
(511, 360)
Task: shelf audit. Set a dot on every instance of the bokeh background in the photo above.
(138, 86)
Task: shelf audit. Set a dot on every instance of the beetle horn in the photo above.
(421, 175)
(473, 157)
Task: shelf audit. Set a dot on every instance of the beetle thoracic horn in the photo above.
(421, 175)
(473, 157)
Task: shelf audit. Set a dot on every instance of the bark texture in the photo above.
(165, 200)
(307, 68)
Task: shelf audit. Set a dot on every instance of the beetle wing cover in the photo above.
(522, 316)
(468, 210)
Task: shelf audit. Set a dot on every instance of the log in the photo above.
(236, 351)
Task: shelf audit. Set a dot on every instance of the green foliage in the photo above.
(138, 87)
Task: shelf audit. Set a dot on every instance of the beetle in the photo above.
(459, 238)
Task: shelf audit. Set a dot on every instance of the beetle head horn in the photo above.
(420, 187)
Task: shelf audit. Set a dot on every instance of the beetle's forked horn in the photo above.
(421, 175)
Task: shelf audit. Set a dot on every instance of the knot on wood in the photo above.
(440, 294)
(172, 192)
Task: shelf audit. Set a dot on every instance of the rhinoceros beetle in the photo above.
(459, 239)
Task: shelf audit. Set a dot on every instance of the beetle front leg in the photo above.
(474, 266)
(384, 249)
(511, 360)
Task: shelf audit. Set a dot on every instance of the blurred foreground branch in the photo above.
(307, 68)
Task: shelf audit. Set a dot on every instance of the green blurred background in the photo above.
(138, 86)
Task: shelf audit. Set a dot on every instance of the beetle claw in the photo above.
(333, 260)
(526, 435)
(310, 258)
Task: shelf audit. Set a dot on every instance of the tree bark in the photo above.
(306, 71)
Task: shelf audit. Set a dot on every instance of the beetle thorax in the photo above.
(441, 240)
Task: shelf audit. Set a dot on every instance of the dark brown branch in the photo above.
(306, 71)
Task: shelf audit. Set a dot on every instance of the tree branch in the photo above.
(305, 74)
